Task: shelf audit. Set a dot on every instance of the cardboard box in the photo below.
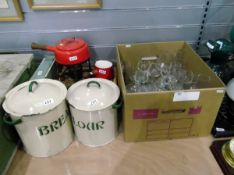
(168, 114)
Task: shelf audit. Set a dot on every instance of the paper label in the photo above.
(74, 58)
(102, 71)
(186, 96)
(93, 102)
(45, 102)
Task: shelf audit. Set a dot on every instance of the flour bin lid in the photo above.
(93, 94)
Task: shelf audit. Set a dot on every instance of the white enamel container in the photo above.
(39, 113)
(93, 109)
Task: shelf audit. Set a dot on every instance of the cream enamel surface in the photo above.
(93, 98)
(52, 141)
(19, 101)
(190, 156)
(97, 136)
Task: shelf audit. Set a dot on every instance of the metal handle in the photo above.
(93, 82)
(30, 87)
(11, 122)
(117, 104)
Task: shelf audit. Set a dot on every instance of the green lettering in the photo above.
(54, 125)
(81, 124)
(99, 125)
(91, 126)
(43, 130)
(88, 126)
(62, 120)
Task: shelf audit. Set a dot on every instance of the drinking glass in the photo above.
(160, 74)
(154, 70)
(143, 65)
(141, 77)
(202, 81)
(188, 79)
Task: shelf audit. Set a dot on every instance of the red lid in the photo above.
(68, 44)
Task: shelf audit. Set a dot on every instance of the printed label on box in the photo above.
(195, 110)
(186, 96)
(145, 113)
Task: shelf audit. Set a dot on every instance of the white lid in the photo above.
(230, 89)
(93, 94)
(231, 146)
(103, 64)
(34, 97)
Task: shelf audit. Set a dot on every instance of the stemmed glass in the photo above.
(163, 74)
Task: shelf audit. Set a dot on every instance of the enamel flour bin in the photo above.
(93, 108)
(38, 111)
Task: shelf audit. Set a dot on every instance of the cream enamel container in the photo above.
(93, 108)
(38, 111)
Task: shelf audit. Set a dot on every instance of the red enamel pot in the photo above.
(68, 51)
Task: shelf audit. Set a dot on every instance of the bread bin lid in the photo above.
(34, 97)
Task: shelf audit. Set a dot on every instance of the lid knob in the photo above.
(30, 87)
(93, 82)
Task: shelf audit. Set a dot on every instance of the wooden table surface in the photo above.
(178, 157)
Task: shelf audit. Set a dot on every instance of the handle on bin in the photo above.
(6, 120)
(173, 111)
(30, 87)
(93, 82)
(117, 105)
